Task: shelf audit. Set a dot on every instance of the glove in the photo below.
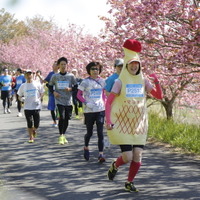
(155, 78)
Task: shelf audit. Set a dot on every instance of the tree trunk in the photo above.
(169, 109)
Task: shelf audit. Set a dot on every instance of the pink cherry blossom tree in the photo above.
(40, 47)
(169, 31)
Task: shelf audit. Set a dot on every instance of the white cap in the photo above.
(28, 71)
(74, 70)
(119, 61)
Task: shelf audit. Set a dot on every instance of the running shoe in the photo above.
(31, 140)
(5, 111)
(129, 186)
(112, 171)
(65, 140)
(86, 154)
(80, 110)
(19, 114)
(8, 110)
(61, 140)
(101, 158)
(77, 117)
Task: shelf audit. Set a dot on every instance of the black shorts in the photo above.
(5, 94)
(91, 118)
(65, 112)
(32, 118)
(130, 147)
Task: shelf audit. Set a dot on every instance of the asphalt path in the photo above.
(46, 170)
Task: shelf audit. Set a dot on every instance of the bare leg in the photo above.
(30, 132)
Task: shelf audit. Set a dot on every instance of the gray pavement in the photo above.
(45, 170)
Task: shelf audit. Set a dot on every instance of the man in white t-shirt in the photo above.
(31, 93)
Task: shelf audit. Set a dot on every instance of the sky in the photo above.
(80, 12)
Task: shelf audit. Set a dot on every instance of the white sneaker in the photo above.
(5, 111)
(8, 110)
(19, 114)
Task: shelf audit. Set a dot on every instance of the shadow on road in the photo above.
(45, 170)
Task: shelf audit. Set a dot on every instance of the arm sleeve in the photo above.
(104, 96)
(109, 101)
(51, 88)
(80, 96)
(157, 91)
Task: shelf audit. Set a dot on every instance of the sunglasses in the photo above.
(94, 69)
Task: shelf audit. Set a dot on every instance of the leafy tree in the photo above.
(170, 34)
(38, 22)
(10, 28)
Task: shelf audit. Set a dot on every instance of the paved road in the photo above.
(47, 171)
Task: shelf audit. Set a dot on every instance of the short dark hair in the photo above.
(91, 64)
(62, 59)
(38, 71)
(19, 70)
(5, 69)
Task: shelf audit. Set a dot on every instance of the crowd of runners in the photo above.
(119, 102)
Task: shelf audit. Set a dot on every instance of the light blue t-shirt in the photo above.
(110, 82)
(6, 80)
(19, 80)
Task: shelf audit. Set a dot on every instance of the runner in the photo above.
(32, 93)
(19, 80)
(91, 93)
(13, 85)
(51, 100)
(111, 79)
(6, 83)
(61, 85)
(39, 77)
(78, 107)
(126, 114)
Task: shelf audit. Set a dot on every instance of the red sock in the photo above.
(119, 162)
(134, 167)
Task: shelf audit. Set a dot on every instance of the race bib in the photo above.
(62, 84)
(31, 93)
(134, 90)
(19, 82)
(95, 93)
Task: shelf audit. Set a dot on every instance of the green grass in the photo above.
(184, 115)
(181, 135)
(45, 97)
